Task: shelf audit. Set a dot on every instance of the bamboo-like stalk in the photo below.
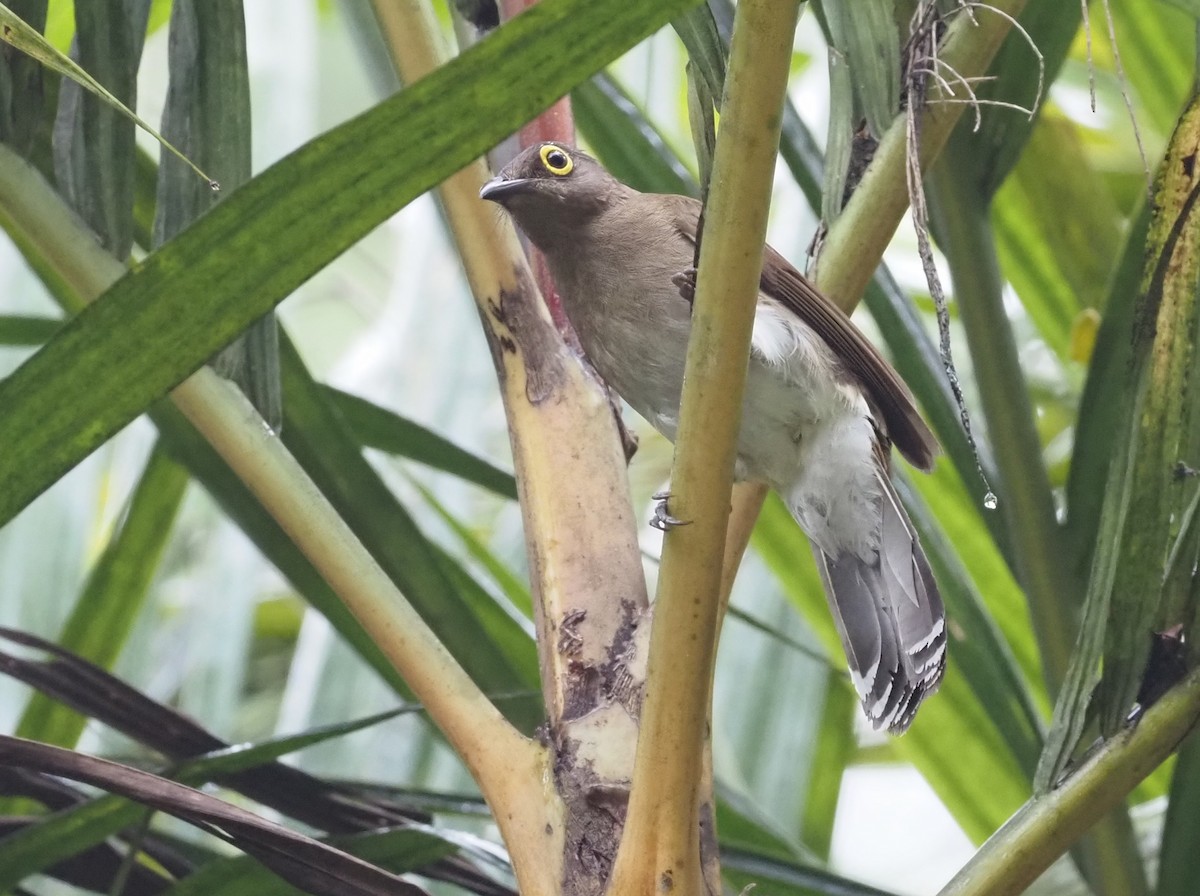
(587, 580)
(510, 768)
(1047, 825)
(660, 847)
(575, 569)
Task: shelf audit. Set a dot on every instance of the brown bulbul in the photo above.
(821, 409)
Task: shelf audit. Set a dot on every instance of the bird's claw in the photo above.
(662, 520)
(685, 282)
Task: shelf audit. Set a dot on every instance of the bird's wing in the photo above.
(886, 392)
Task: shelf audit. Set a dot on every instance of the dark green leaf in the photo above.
(1018, 73)
(630, 146)
(94, 142)
(207, 117)
(379, 428)
(17, 329)
(397, 851)
(23, 112)
(1181, 829)
(317, 868)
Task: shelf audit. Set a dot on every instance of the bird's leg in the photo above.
(663, 521)
(685, 282)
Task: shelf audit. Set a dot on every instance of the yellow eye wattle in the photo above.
(556, 160)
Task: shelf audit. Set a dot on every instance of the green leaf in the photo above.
(1097, 426)
(492, 647)
(955, 743)
(110, 46)
(398, 851)
(865, 33)
(66, 832)
(1130, 592)
(513, 588)
(116, 591)
(208, 115)
(193, 296)
(22, 86)
(1022, 67)
(94, 143)
(835, 746)
(697, 28)
(1181, 829)
(19, 329)
(630, 146)
(383, 430)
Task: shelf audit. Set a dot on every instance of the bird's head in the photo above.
(551, 189)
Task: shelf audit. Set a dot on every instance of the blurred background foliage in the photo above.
(147, 559)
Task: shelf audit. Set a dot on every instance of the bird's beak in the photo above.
(500, 188)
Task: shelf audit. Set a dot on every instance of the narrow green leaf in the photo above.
(19, 329)
(124, 22)
(836, 743)
(697, 28)
(955, 743)
(398, 851)
(1022, 67)
(865, 33)
(839, 140)
(492, 647)
(93, 144)
(1143, 496)
(962, 227)
(242, 757)
(513, 588)
(1181, 829)
(116, 590)
(383, 430)
(208, 115)
(1163, 429)
(1098, 423)
(23, 111)
(630, 145)
(193, 296)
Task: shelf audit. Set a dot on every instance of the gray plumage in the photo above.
(821, 410)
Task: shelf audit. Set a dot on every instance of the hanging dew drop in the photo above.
(990, 501)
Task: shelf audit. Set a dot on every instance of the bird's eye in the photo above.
(556, 160)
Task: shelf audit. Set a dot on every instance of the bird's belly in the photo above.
(639, 348)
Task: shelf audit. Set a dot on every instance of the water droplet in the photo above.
(990, 501)
(214, 186)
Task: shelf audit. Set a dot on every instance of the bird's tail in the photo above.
(890, 616)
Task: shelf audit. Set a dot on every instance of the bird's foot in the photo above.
(685, 282)
(662, 520)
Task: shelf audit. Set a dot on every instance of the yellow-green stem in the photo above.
(1047, 825)
(660, 846)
